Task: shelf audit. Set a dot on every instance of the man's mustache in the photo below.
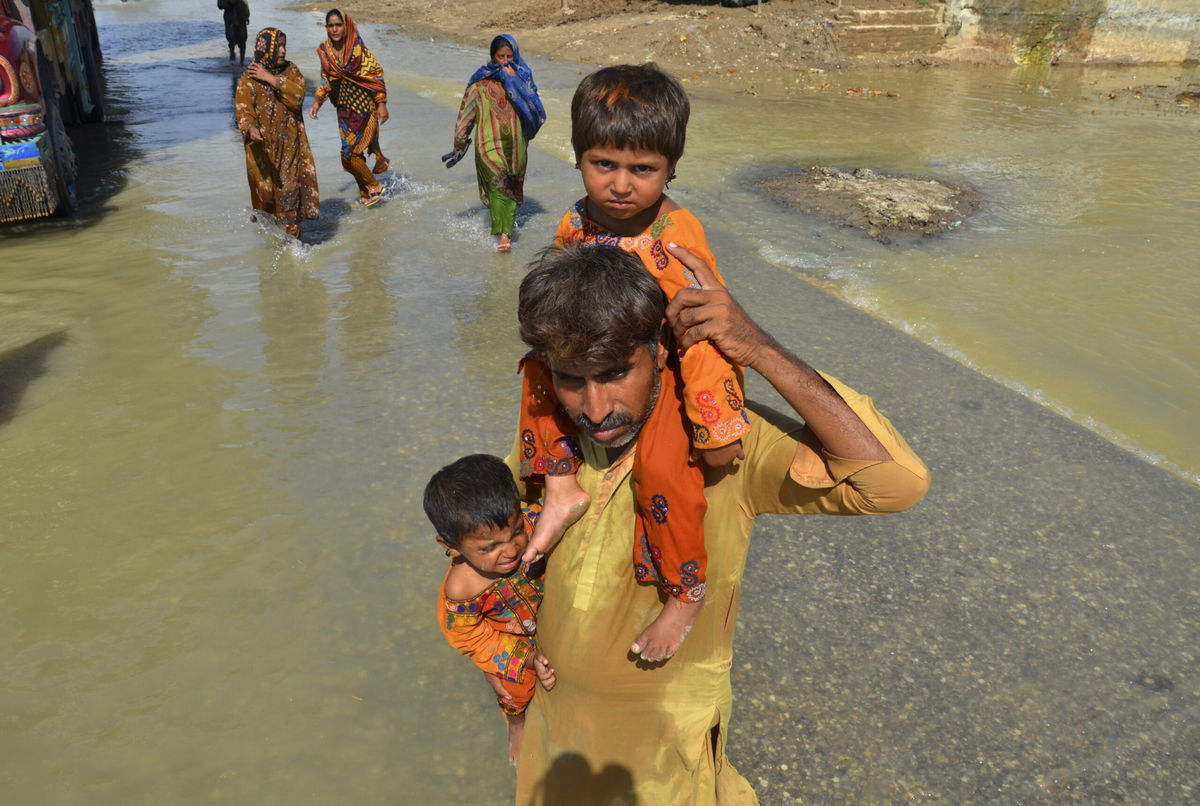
(614, 420)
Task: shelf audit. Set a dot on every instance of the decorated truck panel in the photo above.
(49, 75)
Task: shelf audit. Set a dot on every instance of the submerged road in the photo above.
(1027, 634)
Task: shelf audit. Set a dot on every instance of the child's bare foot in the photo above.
(516, 730)
(665, 634)
(564, 503)
(503, 244)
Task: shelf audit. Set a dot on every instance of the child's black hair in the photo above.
(638, 107)
(475, 491)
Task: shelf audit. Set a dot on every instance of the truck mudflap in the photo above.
(29, 185)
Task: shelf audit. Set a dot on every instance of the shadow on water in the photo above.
(527, 211)
(21, 367)
(326, 227)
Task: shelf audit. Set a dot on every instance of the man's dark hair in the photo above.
(589, 303)
(638, 107)
(476, 491)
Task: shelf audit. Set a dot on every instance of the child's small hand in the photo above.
(722, 456)
(544, 671)
(710, 312)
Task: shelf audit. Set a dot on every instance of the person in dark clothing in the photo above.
(237, 18)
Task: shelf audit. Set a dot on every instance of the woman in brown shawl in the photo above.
(279, 164)
(352, 78)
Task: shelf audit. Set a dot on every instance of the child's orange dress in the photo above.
(668, 489)
(497, 629)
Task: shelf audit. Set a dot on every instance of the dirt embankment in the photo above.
(703, 42)
(765, 50)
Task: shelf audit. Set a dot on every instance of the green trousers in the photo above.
(504, 212)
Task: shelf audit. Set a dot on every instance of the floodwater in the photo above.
(217, 579)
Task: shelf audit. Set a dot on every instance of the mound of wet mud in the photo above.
(879, 204)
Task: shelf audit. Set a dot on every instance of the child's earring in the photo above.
(447, 552)
(667, 184)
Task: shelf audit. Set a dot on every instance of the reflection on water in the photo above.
(215, 440)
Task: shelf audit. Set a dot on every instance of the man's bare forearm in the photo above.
(834, 423)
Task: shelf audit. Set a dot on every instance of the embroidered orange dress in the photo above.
(497, 629)
(705, 410)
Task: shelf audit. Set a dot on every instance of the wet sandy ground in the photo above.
(1027, 634)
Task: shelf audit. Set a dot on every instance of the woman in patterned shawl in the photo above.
(503, 100)
(353, 79)
(269, 102)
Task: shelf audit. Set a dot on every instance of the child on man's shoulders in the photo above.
(628, 128)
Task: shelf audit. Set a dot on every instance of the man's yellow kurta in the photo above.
(618, 732)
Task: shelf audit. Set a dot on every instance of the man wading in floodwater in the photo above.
(237, 21)
(615, 726)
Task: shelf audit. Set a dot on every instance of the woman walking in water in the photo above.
(269, 101)
(353, 79)
(503, 100)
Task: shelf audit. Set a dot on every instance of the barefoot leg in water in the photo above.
(665, 634)
(516, 729)
(564, 503)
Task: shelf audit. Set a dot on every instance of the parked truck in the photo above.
(50, 77)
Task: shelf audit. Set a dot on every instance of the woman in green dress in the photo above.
(502, 104)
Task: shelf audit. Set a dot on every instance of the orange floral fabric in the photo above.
(497, 628)
(712, 386)
(701, 404)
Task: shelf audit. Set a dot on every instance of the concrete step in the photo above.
(898, 16)
(892, 38)
(889, 5)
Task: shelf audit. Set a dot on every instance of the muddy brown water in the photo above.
(217, 580)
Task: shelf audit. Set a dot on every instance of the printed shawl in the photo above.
(352, 62)
(266, 46)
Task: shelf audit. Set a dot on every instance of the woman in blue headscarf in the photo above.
(502, 104)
